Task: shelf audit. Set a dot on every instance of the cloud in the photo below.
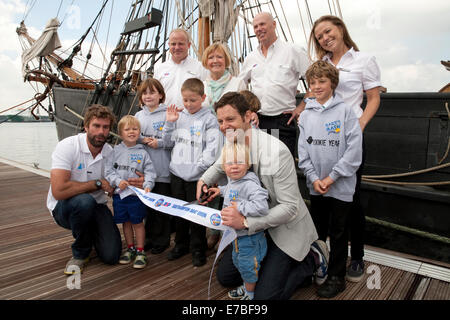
(420, 77)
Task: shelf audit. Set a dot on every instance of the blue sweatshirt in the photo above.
(195, 142)
(152, 124)
(330, 144)
(250, 196)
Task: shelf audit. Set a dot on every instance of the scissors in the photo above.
(203, 196)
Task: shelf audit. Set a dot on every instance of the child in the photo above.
(125, 159)
(193, 132)
(245, 192)
(152, 118)
(254, 104)
(329, 152)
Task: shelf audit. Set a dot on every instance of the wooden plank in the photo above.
(421, 289)
(34, 251)
(437, 290)
(403, 285)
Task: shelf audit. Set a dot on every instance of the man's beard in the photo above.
(97, 144)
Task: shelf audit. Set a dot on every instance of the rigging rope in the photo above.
(301, 19)
(18, 105)
(60, 4)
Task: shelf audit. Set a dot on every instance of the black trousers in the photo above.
(279, 277)
(188, 235)
(288, 134)
(331, 217)
(357, 216)
(157, 225)
(92, 225)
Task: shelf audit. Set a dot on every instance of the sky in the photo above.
(408, 38)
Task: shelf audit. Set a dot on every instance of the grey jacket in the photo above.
(194, 138)
(123, 163)
(330, 144)
(288, 222)
(250, 197)
(152, 124)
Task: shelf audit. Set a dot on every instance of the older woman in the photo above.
(358, 73)
(219, 80)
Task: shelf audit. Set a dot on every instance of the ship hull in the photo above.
(68, 124)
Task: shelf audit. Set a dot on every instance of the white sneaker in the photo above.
(321, 249)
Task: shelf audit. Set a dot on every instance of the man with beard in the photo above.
(78, 191)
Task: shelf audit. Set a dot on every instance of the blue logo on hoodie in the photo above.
(233, 195)
(196, 130)
(333, 127)
(136, 157)
(158, 125)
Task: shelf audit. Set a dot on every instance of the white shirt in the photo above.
(73, 154)
(172, 75)
(275, 78)
(358, 72)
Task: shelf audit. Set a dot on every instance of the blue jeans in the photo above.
(279, 277)
(92, 225)
(248, 252)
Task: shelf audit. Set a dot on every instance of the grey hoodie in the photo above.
(195, 142)
(152, 124)
(251, 198)
(124, 161)
(330, 144)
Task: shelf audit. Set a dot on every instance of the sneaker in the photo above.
(74, 266)
(355, 271)
(246, 297)
(332, 287)
(238, 293)
(128, 256)
(321, 249)
(141, 260)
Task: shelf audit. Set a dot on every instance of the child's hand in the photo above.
(320, 187)
(254, 120)
(146, 140)
(173, 113)
(153, 143)
(327, 182)
(147, 190)
(213, 192)
(123, 185)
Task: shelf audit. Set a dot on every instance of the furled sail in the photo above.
(45, 45)
(223, 17)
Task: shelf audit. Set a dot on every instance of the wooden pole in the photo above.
(203, 35)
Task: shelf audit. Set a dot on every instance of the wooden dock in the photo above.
(34, 251)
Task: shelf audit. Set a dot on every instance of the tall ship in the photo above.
(406, 182)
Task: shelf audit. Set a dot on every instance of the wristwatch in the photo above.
(245, 223)
(98, 184)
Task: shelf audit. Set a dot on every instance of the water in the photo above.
(29, 143)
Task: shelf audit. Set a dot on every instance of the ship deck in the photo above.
(34, 251)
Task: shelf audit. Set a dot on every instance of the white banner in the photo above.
(205, 216)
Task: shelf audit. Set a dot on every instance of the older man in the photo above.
(178, 68)
(77, 195)
(274, 70)
(293, 255)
